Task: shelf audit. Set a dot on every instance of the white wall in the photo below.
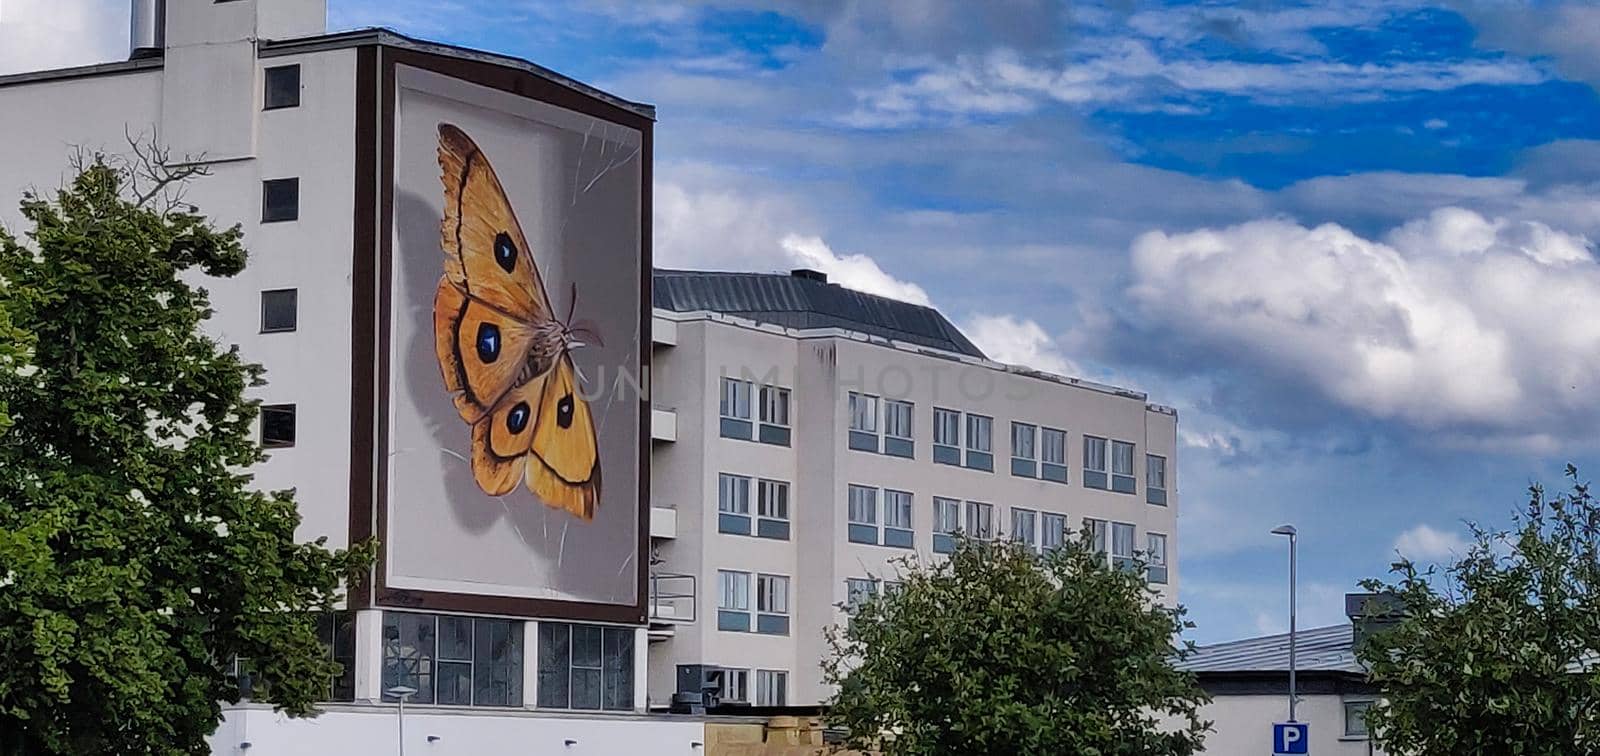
(360, 730)
(1243, 725)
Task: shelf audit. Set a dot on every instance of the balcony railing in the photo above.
(672, 597)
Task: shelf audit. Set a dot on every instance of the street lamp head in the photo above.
(401, 691)
(1285, 530)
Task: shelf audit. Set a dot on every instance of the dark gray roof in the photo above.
(1322, 649)
(807, 301)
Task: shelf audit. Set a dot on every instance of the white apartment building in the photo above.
(388, 190)
(817, 434)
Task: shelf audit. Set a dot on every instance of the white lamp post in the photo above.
(1289, 530)
(402, 692)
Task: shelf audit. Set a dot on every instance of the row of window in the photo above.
(734, 413)
(771, 686)
(771, 507)
(767, 615)
(475, 661)
(962, 439)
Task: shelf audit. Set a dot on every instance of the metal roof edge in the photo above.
(391, 38)
(684, 316)
(79, 72)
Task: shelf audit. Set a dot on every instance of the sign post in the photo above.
(1291, 739)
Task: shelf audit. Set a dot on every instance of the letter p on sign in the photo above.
(1290, 738)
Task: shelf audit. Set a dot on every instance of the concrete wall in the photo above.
(350, 730)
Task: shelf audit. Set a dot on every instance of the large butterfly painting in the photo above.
(505, 357)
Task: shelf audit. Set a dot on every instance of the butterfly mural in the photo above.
(505, 358)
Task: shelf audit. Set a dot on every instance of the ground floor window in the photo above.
(452, 660)
(585, 667)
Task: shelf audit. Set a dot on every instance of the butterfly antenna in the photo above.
(572, 303)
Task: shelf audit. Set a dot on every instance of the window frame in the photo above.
(1356, 702)
(943, 534)
(435, 658)
(902, 533)
(1119, 559)
(1124, 482)
(983, 529)
(1156, 558)
(294, 311)
(267, 72)
(1031, 537)
(1061, 534)
(1155, 467)
(733, 588)
(735, 395)
(1055, 470)
(869, 590)
(1097, 474)
(289, 409)
(1024, 449)
(770, 586)
(731, 496)
(856, 527)
(947, 445)
(769, 680)
(898, 442)
(864, 429)
(769, 523)
(280, 215)
(1099, 536)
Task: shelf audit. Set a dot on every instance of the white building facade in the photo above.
(513, 619)
(821, 434)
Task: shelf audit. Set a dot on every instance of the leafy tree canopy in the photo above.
(1496, 652)
(999, 650)
(136, 559)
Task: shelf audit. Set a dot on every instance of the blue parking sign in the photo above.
(1291, 738)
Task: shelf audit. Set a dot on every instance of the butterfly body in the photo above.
(504, 357)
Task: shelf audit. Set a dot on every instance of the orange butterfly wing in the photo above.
(486, 253)
(502, 439)
(565, 468)
(481, 350)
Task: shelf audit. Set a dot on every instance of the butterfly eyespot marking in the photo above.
(488, 342)
(517, 418)
(505, 252)
(564, 411)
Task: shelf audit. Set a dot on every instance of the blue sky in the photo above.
(1349, 242)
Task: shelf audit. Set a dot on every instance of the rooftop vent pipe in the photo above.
(147, 37)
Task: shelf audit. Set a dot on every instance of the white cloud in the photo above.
(852, 271)
(1453, 321)
(1019, 341)
(1425, 544)
(38, 35)
(1433, 124)
(1131, 73)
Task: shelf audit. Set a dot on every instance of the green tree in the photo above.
(999, 651)
(136, 559)
(1495, 653)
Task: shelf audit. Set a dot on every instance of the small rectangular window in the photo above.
(1355, 717)
(946, 524)
(772, 687)
(1099, 534)
(1053, 454)
(1024, 452)
(897, 512)
(1094, 463)
(772, 604)
(277, 425)
(733, 601)
(280, 200)
(734, 410)
(863, 434)
(1156, 556)
(897, 429)
(863, 514)
(1122, 535)
(946, 437)
(772, 510)
(1053, 532)
(1024, 526)
(858, 591)
(279, 310)
(1122, 454)
(980, 520)
(1155, 479)
(775, 405)
(980, 447)
(281, 87)
(736, 685)
(733, 504)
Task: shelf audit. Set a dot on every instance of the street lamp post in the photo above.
(402, 692)
(1289, 530)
